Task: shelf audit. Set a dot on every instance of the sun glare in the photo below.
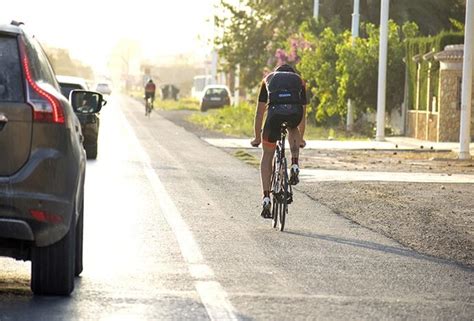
(90, 29)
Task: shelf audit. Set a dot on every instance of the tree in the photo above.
(357, 69)
(63, 64)
(250, 34)
(243, 40)
(318, 68)
(336, 70)
(124, 62)
(432, 16)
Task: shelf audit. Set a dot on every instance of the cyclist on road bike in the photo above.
(150, 89)
(283, 97)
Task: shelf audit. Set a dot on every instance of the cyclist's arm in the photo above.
(261, 106)
(302, 125)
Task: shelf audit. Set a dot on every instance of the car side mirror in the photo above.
(86, 102)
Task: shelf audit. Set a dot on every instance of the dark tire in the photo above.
(91, 152)
(284, 196)
(275, 199)
(53, 267)
(78, 267)
(275, 208)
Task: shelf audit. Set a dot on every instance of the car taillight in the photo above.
(46, 107)
(43, 216)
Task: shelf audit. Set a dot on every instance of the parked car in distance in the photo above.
(90, 122)
(215, 96)
(42, 166)
(103, 88)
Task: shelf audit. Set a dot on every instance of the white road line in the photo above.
(212, 294)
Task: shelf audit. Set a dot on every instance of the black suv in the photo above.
(42, 166)
(90, 122)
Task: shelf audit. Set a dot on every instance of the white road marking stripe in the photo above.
(212, 294)
(201, 271)
(188, 246)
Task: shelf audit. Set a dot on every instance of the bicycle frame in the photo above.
(281, 189)
(148, 106)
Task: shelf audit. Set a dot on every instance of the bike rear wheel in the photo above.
(274, 198)
(148, 107)
(283, 202)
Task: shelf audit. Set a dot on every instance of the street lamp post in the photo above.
(355, 34)
(316, 10)
(466, 102)
(237, 86)
(381, 91)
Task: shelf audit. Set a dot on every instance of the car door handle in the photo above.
(3, 120)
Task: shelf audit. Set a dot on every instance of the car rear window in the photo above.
(11, 86)
(67, 88)
(216, 92)
(41, 69)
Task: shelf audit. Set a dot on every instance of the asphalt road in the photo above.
(172, 232)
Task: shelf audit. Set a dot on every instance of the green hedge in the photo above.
(422, 46)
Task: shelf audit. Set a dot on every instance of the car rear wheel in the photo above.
(91, 152)
(79, 240)
(53, 267)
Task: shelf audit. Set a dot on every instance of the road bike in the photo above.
(148, 106)
(281, 189)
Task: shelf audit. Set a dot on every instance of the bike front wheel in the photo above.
(275, 211)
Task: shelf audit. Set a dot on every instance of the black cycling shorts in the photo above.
(150, 95)
(278, 114)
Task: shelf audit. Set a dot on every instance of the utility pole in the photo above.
(214, 63)
(237, 86)
(355, 34)
(381, 91)
(466, 98)
(316, 10)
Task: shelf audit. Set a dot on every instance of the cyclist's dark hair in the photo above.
(285, 67)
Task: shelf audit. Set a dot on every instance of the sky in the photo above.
(91, 28)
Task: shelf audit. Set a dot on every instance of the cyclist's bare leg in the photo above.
(266, 165)
(294, 139)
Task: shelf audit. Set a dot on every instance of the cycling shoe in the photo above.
(294, 174)
(266, 208)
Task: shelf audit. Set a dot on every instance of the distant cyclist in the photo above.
(283, 97)
(150, 89)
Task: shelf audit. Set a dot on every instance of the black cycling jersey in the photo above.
(283, 88)
(285, 95)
